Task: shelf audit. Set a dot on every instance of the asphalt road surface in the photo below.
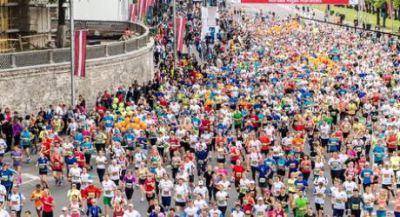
(30, 172)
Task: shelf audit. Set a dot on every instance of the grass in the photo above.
(351, 15)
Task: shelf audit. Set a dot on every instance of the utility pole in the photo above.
(72, 31)
(175, 34)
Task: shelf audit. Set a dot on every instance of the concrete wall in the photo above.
(28, 89)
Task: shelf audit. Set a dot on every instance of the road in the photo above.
(30, 173)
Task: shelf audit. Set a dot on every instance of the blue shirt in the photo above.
(202, 155)
(78, 137)
(94, 211)
(43, 163)
(263, 170)
(108, 121)
(379, 153)
(70, 161)
(269, 162)
(129, 138)
(87, 145)
(366, 175)
(6, 177)
(301, 184)
(26, 138)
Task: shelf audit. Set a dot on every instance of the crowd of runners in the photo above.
(288, 118)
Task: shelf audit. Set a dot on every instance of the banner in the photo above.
(208, 15)
(133, 14)
(335, 2)
(80, 53)
(180, 32)
(142, 9)
(390, 8)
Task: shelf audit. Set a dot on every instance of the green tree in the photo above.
(396, 7)
(378, 6)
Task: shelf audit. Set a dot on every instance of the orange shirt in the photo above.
(36, 197)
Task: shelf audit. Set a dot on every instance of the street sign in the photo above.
(335, 2)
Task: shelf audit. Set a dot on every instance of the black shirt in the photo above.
(355, 202)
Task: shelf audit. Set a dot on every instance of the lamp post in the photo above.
(72, 30)
(175, 34)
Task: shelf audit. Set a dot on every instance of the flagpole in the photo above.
(72, 30)
(175, 34)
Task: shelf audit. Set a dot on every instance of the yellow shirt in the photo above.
(394, 162)
(73, 192)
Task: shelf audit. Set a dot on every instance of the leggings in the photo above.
(100, 173)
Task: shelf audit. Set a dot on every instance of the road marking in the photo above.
(31, 177)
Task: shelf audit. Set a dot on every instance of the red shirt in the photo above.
(81, 158)
(149, 185)
(238, 171)
(46, 203)
(235, 154)
(91, 192)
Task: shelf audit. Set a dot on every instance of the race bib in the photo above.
(262, 180)
(355, 206)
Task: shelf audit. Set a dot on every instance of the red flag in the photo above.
(80, 53)
(390, 8)
(142, 9)
(335, 2)
(179, 32)
(148, 4)
(133, 12)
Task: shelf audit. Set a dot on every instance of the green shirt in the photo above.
(301, 205)
(237, 116)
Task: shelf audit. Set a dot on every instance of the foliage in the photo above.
(378, 3)
(396, 4)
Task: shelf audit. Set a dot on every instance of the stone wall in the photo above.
(27, 89)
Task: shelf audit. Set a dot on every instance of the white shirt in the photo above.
(3, 193)
(202, 190)
(200, 204)
(3, 146)
(134, 213)
(166, 187)
(319, 192)
(221, 197)
(113, 170)
(387, 176)
(180, 193)
(235, 213)
(101, 162)
(191, 211)
(349, 187)
(339, 200)
(4, 213)
(75, 174)
(16, 201)
(109, 187)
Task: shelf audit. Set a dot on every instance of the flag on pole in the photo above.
(80, 53)
(142, 9)
(390, 8)
(180, 32)
(133, 12)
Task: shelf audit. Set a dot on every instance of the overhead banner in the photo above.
(334, 2)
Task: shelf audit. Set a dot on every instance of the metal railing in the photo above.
(351, 27)
(50, 56)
